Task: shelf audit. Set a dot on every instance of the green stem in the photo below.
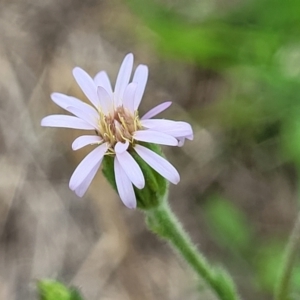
(164, 223)
(291, 253)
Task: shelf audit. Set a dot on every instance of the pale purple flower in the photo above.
(114, 117)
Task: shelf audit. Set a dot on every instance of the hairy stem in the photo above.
(164, 223)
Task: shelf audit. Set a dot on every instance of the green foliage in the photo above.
(267, 262)
(228, 224)
(53, 290)
(282, 17)
(249, 34)
(296, 280)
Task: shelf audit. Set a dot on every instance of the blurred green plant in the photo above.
(54, 290)
(267, 262)
(250, 33)
(228, 224)
(231, 230)
(251, 45)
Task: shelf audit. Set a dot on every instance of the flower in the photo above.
(114, 117)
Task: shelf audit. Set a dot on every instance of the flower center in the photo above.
(118, 127)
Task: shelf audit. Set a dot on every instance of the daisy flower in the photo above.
(117, 129)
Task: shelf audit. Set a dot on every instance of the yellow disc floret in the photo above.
(118, 127)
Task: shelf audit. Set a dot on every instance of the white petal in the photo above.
(102, 79)
(124, 186)
(140, 77)
(87, 85)
(174, 128)
(129, 96)
(85, 140)
(181, 142)
(106, 102)
(121, 147)
(156, 110)
(179, 134)
(156, 137)
(85, 115)
(66, 122)
(82, 188)
(158, 163)
(181, 129)
(123, 78)
(64, 101)
(86, 166)
(158, 123)
(132, 169)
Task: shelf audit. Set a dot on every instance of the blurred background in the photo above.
(231, 68)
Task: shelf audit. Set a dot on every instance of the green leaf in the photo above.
(53, 290)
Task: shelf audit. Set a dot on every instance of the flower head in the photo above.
(119, 131)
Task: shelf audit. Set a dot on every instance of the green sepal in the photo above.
(156, 186)
(54, 290)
